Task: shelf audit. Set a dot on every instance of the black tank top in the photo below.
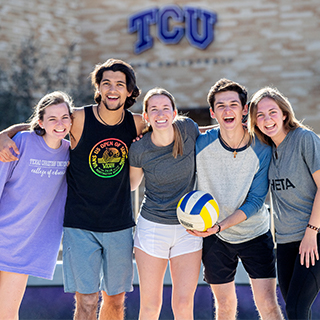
(99, 197)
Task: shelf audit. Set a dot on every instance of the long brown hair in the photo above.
(178, 141)
(289, 123)
(50, 99)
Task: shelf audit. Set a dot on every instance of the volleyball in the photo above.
(197, 210)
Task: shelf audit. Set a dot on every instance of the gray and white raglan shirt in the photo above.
(292, 186)
(235, 183)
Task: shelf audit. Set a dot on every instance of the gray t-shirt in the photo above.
(166, 179)
(292, 186)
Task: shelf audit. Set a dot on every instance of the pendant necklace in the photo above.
(107, 123)
(234, 150)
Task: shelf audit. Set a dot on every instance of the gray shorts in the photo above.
(95, 261)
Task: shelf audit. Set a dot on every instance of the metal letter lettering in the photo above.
(174, 35)
(207, 19)
(140, 23)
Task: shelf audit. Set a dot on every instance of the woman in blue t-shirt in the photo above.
(294, 176)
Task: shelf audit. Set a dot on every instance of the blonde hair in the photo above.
(178, 141)
(289, 123)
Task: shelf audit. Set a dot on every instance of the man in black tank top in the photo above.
(97, 242)
(98, 201)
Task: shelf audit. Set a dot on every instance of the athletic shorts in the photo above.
(220, 258)
(95, 261)
(164, 241)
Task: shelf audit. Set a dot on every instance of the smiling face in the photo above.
(227, 109)
(57, 123)
(160, 113)
(113, 90)
(270, 120)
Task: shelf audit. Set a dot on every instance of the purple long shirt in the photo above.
(32, 199)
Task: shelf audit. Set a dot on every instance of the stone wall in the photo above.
(256, 42)
(52, 24)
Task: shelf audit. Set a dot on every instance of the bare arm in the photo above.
(136, 175)
(309, 251)
(203, 129)
(237, 217)
(140, 123)
(6, 142)
(77, 126)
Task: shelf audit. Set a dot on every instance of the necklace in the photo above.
(107, 123)
(234, 150)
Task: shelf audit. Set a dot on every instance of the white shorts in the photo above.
(164, 240)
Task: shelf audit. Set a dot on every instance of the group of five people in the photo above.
(175, 156)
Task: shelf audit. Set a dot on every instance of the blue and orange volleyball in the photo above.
(197, 210)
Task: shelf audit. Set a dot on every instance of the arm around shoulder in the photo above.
(14, 129)
(77, 126)
(6, 142)
(140, 123)
(203, 129)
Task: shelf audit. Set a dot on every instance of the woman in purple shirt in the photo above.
(32, 198)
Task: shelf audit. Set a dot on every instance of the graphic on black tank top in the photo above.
(107, 157)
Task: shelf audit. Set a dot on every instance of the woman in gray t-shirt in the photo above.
(165, 156)
(294, 176)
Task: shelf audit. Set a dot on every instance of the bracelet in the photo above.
(313, 227)
(219, 227)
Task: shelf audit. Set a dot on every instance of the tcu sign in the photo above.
(198, 26)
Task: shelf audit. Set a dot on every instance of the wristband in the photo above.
(219, 227)
(312, 227)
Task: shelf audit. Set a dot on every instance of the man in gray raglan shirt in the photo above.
(234, 169)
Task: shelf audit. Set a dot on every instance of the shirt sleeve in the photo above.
(135, 154)
(310, 150)
(259, 187)
(191, 128)
(7, 168)
(195, 129)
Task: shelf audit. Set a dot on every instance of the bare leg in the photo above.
(264, 292)
(151, 273)
(225, 300)
(86, 306)
(185, 271)
(12, 288)
(112, 307)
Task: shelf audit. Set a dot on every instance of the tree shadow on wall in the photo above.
(29, 76)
